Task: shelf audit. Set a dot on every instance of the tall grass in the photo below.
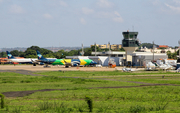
(54, 106)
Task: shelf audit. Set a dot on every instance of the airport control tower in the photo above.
(130, 43)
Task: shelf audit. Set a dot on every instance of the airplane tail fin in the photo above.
(9, 55)
(39, 55)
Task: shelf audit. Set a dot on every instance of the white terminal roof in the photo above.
(108, 52)
(147, 54)
(123, 53)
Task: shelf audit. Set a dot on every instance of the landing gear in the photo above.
(66, 66)
(46, 66)
(34, 64)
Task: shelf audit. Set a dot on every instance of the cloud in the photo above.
(105, 14)
(16, 9)
(83, 21)
(86, 10)
(115, 16)
(47, 16)
(176, 9)
(62, 3)
(104, 3)
(1, 1)
(176, 1)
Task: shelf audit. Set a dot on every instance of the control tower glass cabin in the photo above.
(130, 39)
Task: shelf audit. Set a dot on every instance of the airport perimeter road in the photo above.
(55, 68)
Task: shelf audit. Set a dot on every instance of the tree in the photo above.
(15, 53)
(29, 53)
(3, 54)
(57, 55)
(97, 49)
(121, 49)
(172, 55)
(106, 49)
(169, 54)
(21, 54)
(177, 52)
(148, 45)
(36, 48)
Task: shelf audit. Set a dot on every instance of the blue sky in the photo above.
(69, 23)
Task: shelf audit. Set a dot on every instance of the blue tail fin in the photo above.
(9, 55)
(39, 55)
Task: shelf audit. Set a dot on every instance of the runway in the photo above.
(54, 68)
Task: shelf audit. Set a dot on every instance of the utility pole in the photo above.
(95, 48)
(109, 51)
(179, 48)
(82, 50)
(153, 51)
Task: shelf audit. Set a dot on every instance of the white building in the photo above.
(138, 58)
(156, 50)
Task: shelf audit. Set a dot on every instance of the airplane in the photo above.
(166, 67)
(152, 66)
(127, 69)
(24, 60)
(66, 62)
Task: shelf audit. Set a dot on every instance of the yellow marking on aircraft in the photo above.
(82, 62)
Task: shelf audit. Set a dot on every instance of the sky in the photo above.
(69, 23)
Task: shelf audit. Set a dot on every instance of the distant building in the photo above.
(116, 46)
(102, 46)
(106, 46)
(138, 58)
(162, 46)
(159, 50)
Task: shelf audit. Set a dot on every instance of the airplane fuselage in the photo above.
(73, 62)
(25, 60)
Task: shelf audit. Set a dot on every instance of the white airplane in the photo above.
(150, 66)
(24, 60)
(127, 69)
(166, 67)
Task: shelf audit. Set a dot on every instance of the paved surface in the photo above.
(55, 68)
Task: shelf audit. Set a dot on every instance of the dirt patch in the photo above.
(26, 93)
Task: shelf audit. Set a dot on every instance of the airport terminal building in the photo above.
(129, 57)
(138, 58)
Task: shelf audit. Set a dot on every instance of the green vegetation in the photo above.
(2, 100)
(102, 73)
(148, 45)
(92, 91)
(172, 55)
(90, 103)
(31, 52)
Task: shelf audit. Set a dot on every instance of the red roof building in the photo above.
(162, 46)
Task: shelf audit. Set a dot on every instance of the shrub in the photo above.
(2, 100)
(137, 109)
(90, 103)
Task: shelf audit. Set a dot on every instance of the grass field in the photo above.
(110, 92)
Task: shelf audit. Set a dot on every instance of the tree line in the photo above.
(31, 52)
